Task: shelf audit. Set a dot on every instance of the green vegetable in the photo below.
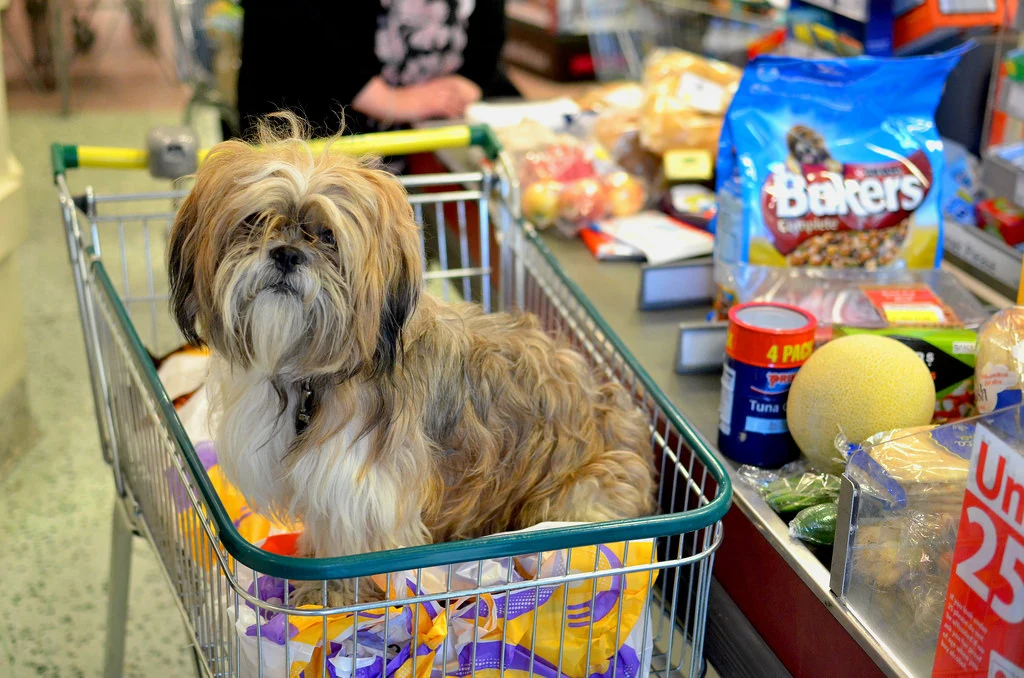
(795, 493)
(816, 525)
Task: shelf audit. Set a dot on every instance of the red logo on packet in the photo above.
(776, 379)
(866, 196)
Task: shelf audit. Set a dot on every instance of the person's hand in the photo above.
(441, 98)
(467, 89)
(446, 97)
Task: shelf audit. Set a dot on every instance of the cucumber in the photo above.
(816, 524)
(789, 495)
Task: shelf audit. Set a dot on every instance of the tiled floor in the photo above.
(56, 500)
(117, 74)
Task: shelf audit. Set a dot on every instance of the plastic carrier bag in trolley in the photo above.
(624, 598)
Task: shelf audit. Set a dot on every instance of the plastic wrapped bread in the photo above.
(687, 96)
(999, 364)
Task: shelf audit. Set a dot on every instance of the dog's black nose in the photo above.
(287, 258)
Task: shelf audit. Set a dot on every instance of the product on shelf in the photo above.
(1003, 219)
(949, 355)
(522, 137)
(911, 488)
(854, 297)
(852, 388)
(583, 200)
(765, 346)
(567, 183)
(692, 203)
(792, 494)
(686, 99)
(1007, 125)
(815, 524)
(961, 189)
(618, 132)
(831, 165)
(999, 365)
(614, 96)
(841, 32)
(921, 22)
(659, 237)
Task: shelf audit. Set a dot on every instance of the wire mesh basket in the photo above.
(624, 598)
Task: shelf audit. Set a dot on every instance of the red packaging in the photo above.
(1001, 217)
(982, 631)
(930, 16)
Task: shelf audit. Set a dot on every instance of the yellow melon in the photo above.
(856, 386)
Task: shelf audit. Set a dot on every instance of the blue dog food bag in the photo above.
(832, 164)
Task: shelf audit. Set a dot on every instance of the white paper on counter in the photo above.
(660, 237)
(549, 113)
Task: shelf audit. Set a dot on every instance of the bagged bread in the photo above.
(999, 363)
(613, 96)
(687, 96)
(618, 132)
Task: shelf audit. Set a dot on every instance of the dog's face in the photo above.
(294, 263)
(807, 146)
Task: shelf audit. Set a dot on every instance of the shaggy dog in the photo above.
(353, 401)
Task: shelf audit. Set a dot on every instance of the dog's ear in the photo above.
(182, 251)
(399, 302)
(402, 272)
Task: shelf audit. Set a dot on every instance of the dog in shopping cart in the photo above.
(350, 399)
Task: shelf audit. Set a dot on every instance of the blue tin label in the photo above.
(752, 425)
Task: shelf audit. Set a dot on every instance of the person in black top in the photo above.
(366, 65)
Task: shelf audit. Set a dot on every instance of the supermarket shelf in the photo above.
(721, 10)
(984, 256)
(1012, 100)
(851, 9)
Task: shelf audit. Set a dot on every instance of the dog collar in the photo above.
(305, 412)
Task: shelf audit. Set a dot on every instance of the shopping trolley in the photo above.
(478, 249)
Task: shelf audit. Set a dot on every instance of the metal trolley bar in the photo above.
(235, 597)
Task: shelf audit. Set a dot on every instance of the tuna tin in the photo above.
(765, 347)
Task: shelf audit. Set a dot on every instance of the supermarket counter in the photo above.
(779, 585)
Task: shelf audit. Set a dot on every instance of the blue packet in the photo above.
(832, 164)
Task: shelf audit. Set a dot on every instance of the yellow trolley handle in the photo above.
(403, 142)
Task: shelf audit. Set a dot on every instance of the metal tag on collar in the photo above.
(305, 411)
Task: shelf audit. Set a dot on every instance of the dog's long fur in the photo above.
(432, 421)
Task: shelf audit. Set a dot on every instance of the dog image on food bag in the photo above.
(352, 401)
(807, 148)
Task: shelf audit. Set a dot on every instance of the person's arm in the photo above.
(440, 98)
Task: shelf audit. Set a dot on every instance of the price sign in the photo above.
(982, 632)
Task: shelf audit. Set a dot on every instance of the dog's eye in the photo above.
(248, 225)
(326, 236)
